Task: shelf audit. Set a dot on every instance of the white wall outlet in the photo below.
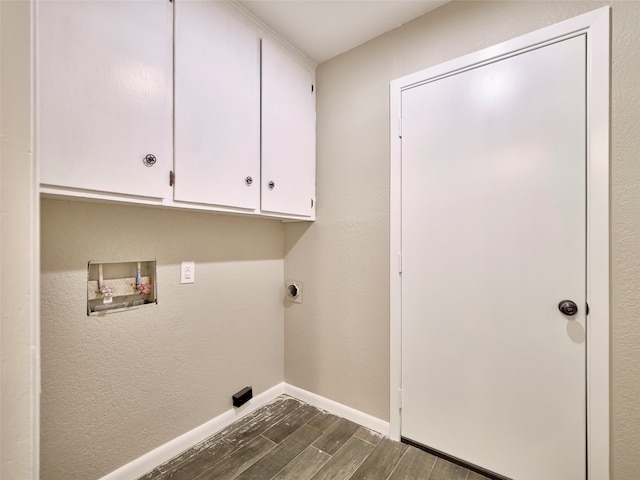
(293, 291)
(188, 272)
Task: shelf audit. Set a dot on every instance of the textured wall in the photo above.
(625, 241)
(116, 386)
(337, 341)
(17, 248)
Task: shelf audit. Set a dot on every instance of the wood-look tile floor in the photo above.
(289, 439)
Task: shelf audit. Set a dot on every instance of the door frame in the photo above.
(596, 26)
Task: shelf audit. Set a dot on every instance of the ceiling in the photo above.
(322, 29)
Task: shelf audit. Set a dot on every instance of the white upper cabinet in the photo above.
(217, 106)
(104, 98)
(132, 93)
(288, 133)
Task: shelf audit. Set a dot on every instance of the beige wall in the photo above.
(625, 242)
(18, 424)
(163, 379)
(117, 386)
(337, 341)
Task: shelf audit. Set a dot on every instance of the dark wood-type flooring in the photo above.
(289, 439)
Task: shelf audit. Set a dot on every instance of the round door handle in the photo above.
(567, 307)
(149, 160)
(248, 181)
(271, 185)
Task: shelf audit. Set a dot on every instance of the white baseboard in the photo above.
(172, 448)
(338, 409)
(163, 453)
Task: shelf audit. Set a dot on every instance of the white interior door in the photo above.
(493, 238)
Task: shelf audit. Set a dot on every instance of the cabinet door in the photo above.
(217, 107)
(288, 133)
(104, 96)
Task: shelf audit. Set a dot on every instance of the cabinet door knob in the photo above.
(149, 160)
(272, 185)
(248, 181)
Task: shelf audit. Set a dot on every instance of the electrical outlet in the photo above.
(188, 272)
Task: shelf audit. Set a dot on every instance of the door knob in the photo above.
(149, 160)
(568, 307)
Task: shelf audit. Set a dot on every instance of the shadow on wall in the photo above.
(293, 232)
(123, 233)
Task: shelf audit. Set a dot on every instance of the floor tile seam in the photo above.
(375, 449)
(315, 431)
(201, 476)
(294, 459)
(292, 432)
(266, 418)
(322, 432)
(224, 438)
(256, 460)
(370, 443)
(305, 423)
(196, 450)
(329, 457)
(395, 467)
(282, 419)
(232, 452)
(432, 467)
(362, 462)
(343, 446)
(231, 429)
(268, 439)
(314, 428)
(257, 433)
(223, 432)
(164, 474)
(260, 415)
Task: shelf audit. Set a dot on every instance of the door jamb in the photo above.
(596, 26)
